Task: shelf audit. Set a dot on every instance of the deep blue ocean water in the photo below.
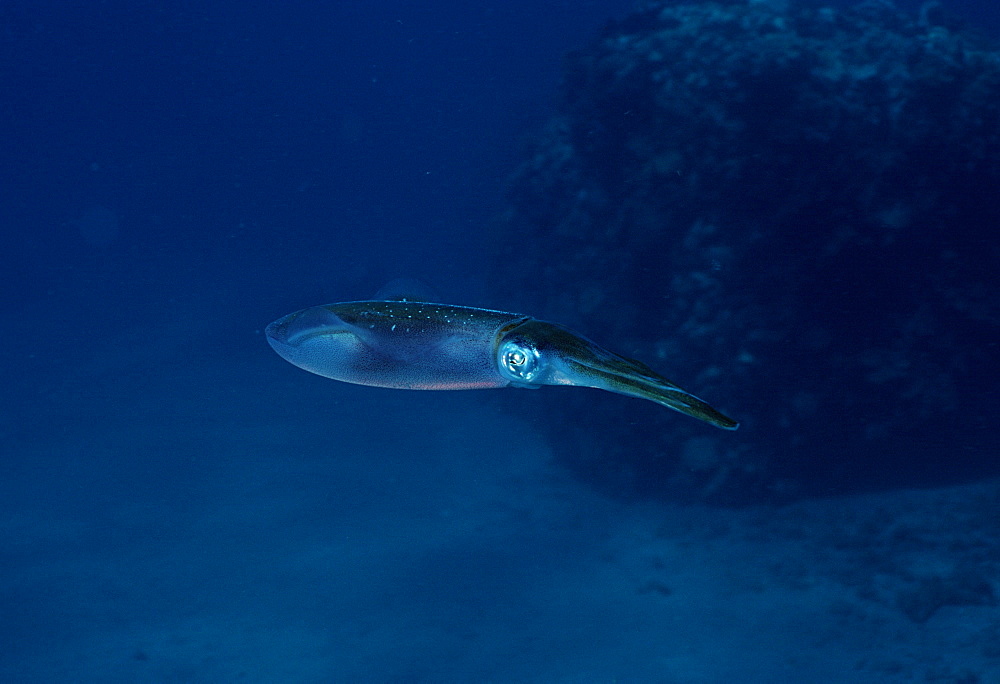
(178, 504)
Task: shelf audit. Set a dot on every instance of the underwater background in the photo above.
(787, 207)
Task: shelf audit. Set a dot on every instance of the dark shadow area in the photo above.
(787, 209)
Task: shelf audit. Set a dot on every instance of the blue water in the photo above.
(178, 504)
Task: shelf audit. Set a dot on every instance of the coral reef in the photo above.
(792, 210)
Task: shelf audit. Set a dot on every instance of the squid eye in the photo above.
(518, 363)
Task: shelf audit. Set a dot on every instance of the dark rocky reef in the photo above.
(792, 212)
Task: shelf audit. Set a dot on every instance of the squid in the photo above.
(417, 345)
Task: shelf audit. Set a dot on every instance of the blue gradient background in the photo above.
(177, 175)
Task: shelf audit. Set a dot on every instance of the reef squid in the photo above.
(405, 344)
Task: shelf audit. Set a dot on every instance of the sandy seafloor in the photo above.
(247, 522)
